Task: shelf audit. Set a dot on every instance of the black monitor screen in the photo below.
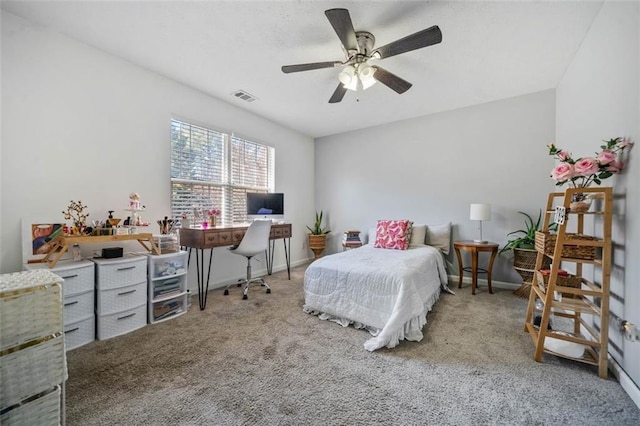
(260, 204)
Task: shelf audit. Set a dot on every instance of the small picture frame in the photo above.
(37, 236)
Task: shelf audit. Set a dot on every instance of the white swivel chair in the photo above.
(255, 241)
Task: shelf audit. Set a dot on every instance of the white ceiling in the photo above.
(490, 51)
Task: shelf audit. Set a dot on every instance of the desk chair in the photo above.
(255, 241)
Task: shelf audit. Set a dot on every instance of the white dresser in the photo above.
(121, 295)
(32, 357)
(79, 299)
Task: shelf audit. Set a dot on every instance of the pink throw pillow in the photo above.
(393, 234)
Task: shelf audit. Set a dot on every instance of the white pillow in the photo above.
(418, 235)
(372, 236)
(439, 236)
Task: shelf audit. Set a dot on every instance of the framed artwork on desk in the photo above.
(37, 235)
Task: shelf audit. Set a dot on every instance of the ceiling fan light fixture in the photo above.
(347, 75)
(367, 82)
(365, 71)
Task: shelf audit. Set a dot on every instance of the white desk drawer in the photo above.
(121, 298)
(121, 322)
(78, 307)
(120, 272)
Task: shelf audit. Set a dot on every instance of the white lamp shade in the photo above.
(480, 211)
(366, 71)
(348, 76)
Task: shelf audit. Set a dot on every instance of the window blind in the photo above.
(212, 169)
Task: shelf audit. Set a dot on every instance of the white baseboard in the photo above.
(625, 381)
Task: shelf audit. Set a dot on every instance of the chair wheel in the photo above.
(244, 297)
(226, 292)
(268, 290)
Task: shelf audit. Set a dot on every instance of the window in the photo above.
(211, 169)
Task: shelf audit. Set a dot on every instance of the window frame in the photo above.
(216, 182)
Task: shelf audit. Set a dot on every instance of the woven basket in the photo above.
(562, 280)
(32, 369)
(43, 410)
(30, 306)
(524, 262)
(546, 243)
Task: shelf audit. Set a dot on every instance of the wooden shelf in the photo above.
(61, 244)
(575, 304)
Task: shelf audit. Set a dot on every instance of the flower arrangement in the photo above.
(76, 213)
(584, 171)
(213, 212)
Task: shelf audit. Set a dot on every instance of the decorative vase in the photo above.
(212, 221)
(186, 223)
(580, 203)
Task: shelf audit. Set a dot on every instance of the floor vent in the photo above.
(241, 94)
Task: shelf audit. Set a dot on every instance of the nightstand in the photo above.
(475, 248)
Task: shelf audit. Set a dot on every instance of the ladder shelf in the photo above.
(582, 303)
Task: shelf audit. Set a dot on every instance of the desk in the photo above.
(474, 248)
(201, 239)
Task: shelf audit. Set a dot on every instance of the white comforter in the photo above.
(388, 292)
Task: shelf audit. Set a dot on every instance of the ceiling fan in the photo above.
(358, 46)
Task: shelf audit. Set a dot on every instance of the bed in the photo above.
(387, 292)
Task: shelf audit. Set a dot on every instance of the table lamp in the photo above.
(480, 212)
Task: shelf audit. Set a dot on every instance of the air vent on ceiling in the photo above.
(241, 94)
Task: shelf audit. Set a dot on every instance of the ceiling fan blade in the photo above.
(341, 22)
(338, 94)
(418, 40)
(390, 80)
(307, 67)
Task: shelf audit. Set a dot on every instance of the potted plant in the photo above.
(524, 252)
(317, 236)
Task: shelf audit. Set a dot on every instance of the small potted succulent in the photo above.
(317, 236)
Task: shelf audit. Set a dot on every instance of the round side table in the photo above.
(475, 248)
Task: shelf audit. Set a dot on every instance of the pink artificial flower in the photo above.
(586, 166)
(624, 144)
(562, 172)
(563, 155)
(606, 157)
(614, 167)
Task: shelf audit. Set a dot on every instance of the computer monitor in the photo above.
(262, 205)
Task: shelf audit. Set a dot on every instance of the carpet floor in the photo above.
(264, 361)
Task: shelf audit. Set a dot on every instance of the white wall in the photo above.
(598, 98)
(79, 124)
(430, 169)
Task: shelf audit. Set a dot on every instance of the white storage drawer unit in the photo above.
(120, 272)
(78, 307)
(121, 295)
(119, 323)
(167, 286)
(120, 299)
(78, 292)
(80, 332)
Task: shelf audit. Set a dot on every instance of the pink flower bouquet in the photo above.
(584, 171)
